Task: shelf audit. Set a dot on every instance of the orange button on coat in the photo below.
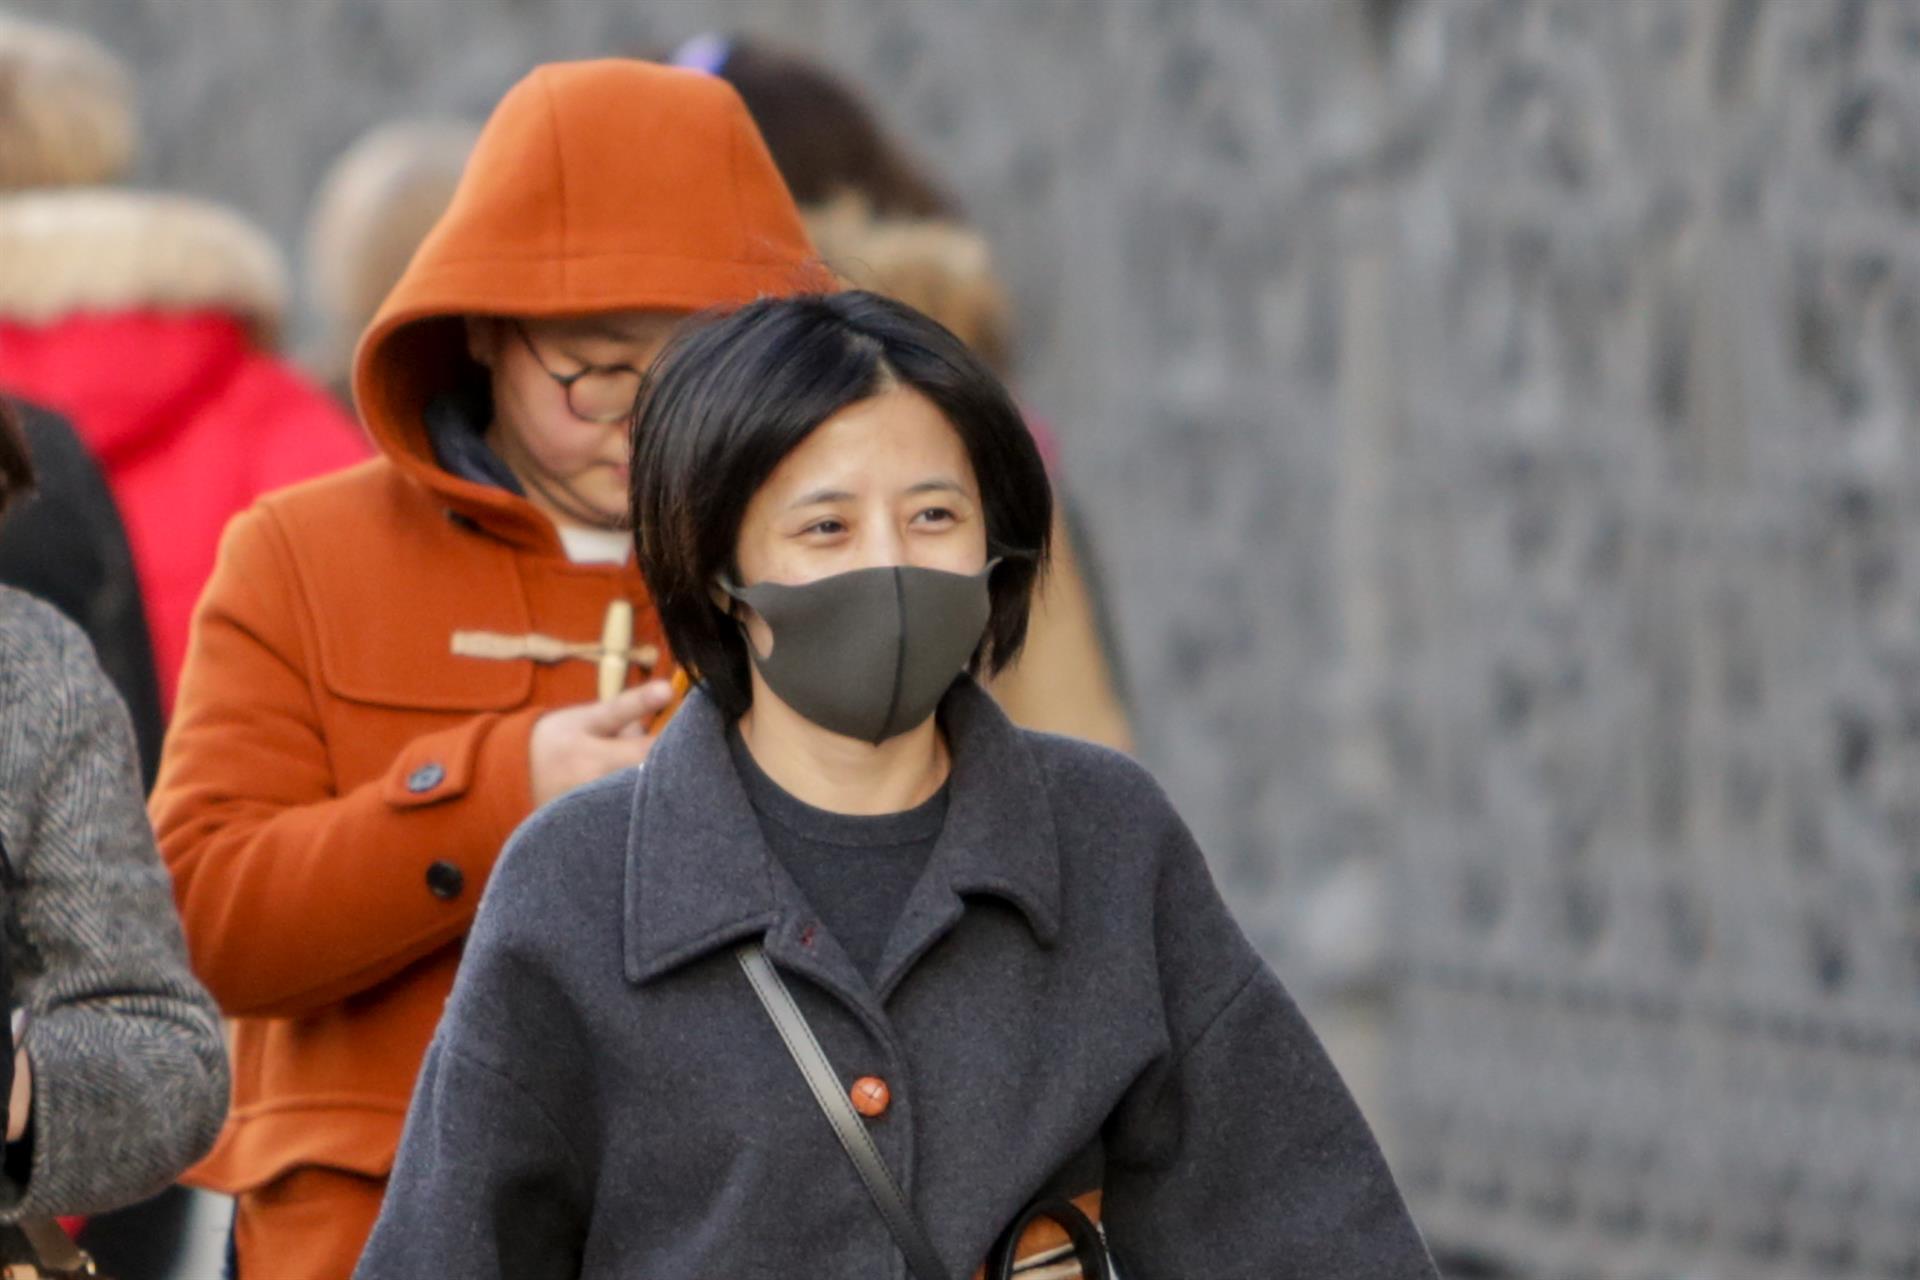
(871, 1096)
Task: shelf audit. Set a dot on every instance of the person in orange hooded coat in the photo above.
(392, 666)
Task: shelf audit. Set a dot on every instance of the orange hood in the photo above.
(596, 186)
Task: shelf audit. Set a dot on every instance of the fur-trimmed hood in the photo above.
(96, 249)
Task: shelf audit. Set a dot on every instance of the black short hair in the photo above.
(734, 394)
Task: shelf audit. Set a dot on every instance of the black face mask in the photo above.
(870, 653)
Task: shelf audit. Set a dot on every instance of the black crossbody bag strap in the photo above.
(798, 1036)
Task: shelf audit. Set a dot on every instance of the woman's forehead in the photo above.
(898, 438)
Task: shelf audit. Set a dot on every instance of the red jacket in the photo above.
(162, 370)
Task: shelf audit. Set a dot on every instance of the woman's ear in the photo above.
(721, 592)
(483, 338)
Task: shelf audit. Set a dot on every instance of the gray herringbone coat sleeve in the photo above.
(129, 1067)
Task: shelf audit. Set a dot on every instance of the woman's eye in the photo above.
(828, 526)
(935, 515)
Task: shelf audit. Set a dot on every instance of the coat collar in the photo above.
(699, 874)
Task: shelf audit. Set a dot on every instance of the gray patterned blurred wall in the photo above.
(1496, 421)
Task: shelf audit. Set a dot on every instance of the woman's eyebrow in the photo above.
(819, 496)
(939, 484)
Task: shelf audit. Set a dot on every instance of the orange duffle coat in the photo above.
(338, 780)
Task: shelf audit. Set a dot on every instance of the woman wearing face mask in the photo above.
(854, 973)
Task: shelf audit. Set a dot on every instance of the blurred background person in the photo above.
(63, 541)
(148, 320)
(884, 223)
(119, 1076)
(822, 131)
(375, 204)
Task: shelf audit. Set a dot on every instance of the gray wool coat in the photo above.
(1065, 1004)
(129, 1068)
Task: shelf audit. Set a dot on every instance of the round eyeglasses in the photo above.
(601, 393)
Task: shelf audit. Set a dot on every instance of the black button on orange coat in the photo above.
(445, 881)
